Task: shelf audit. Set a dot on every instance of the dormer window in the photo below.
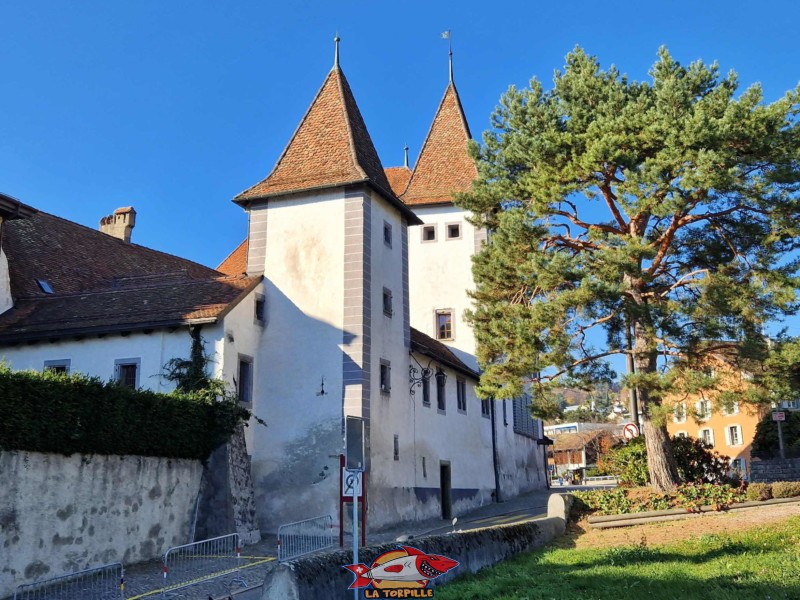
(45, 286)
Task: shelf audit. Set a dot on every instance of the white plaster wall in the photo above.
(238, 334)
(295, 459)
(440, 273)
(390, 413)
(522, 465)
(6, 301)
(60, 514)
(398, 490)
(96, 355)
(464, 440)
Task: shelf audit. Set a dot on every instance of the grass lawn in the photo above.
(761, 563)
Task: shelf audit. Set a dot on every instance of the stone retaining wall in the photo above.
(765, 471)
(323, 576)
(60, 514)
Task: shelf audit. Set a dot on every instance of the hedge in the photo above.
(54, 413)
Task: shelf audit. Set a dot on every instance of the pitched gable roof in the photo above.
(331, 147)
(424, 344)
(236, 262)
(443, 166)
(75, 259)
(101, 284)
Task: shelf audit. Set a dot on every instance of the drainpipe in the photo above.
(497, 497)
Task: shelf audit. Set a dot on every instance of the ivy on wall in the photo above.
(49, 412)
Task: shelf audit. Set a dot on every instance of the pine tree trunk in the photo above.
(660, 459)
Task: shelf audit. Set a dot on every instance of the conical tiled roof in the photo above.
(330, 147)
(398, 178)
(443, 166)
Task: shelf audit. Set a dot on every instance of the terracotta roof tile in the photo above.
(443, 166)
(435, 349)
(398, 178)
(331, 146)
(101, 283)
(236, 262)
(74, 258)
(160, 305)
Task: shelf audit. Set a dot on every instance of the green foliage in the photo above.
(670, 205)
(695, 460)
(749, 565)
(48, 412)
(765, 442)
(759, 491)
(786, 489)
(635, 500)
(628, 462)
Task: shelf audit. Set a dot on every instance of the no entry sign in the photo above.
(630, 431)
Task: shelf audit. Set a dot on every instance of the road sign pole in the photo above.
(355, 530)
(780, 439)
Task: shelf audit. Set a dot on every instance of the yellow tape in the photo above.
(265, 559)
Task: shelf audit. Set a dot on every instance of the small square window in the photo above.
(127, 372)
(461, 395)
(387, 234)
(386, 377)
(444, 324)
(60, 367)
(387, 302)
(682, 434)
(429, 233)
(245, 380)
(260, 309)
(453, 231)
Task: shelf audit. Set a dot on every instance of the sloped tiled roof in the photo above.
(577, 441)
(236, 261)
(101, 283)
(398, 178)
(331, 147)
(74, 258)
(443, 166)
(161, 305)
(435, 349)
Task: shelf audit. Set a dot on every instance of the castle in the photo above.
(346, 298)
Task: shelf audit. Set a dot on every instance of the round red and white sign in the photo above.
(630, 431)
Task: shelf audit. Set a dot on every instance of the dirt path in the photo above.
(581, 535)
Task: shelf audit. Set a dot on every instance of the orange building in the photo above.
(730, 431)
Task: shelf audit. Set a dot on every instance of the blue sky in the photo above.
(174, 107)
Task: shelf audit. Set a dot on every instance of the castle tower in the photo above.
(330, 238)
(440, 252)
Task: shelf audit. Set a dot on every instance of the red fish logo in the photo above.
(406, 567)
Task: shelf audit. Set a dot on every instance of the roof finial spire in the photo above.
(405, 156)
(446, 35)
(336, 41)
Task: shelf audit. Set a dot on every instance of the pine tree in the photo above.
(667, 207)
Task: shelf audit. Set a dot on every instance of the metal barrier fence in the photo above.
(304, 537)
(202, 561)
(601, 479)
(100, 583)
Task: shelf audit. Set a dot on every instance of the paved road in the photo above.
(146, 577)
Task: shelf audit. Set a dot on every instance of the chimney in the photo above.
(120, 224)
